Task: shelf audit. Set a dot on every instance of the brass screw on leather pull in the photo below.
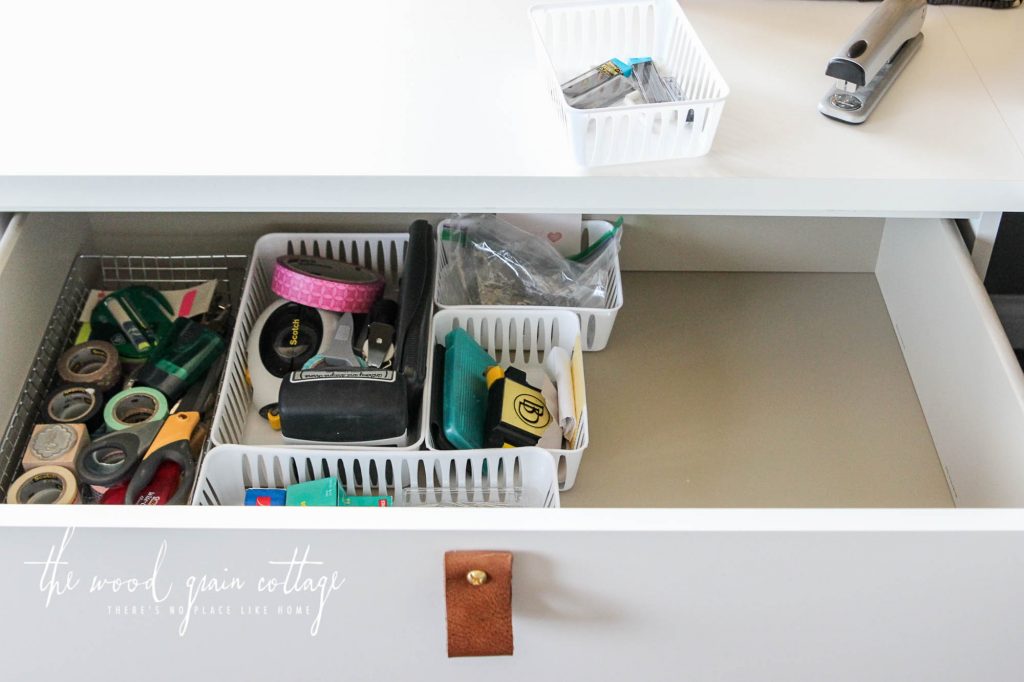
(476, 577)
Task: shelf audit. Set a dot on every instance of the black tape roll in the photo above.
(75, 404)
(111, 459)
(178, 452)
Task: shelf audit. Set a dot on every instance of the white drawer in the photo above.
(757, 365)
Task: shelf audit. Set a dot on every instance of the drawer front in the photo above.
(586, 605)
(673, 594)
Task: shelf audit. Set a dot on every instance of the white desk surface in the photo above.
(414, 105)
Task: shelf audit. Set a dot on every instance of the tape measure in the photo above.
(517, 415)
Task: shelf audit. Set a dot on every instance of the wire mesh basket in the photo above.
(107, 272)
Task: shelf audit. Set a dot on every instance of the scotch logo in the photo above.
(294, 341)
(531, 411)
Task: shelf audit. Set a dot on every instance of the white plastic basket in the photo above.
(595, 323)
(573, 38)
(236, 420)
(515, 336)
(523, 477)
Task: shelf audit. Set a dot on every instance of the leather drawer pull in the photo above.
(478, 598)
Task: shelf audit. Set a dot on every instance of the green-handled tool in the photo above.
(180, 359)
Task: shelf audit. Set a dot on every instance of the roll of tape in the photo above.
(326, 284)
(95, 363)
(57, 444)
(75, 404)
(135, 406)
(44, 485)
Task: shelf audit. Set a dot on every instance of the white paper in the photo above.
(559, 369)
(563, 230)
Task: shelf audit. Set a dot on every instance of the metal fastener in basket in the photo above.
(572, 38)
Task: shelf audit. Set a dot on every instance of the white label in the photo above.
(327, 375)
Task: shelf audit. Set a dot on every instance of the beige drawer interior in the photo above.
(756, 362)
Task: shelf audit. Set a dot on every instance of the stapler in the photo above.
(874, 57)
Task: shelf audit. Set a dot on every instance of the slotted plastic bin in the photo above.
(523, 477)
(521, 337)
(595, 323)
(236, 420)
(573, 38)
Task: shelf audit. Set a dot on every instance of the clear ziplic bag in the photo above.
(492, 262)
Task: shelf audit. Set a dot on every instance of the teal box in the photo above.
(464, 399)
(319, 493)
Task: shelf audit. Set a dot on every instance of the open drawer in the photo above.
(757, 364)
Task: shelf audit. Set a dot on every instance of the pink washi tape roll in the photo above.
(326, 284)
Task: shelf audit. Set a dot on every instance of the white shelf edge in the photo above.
(522, 194)
(526, 520)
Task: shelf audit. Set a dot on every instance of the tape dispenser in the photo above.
(283, 338)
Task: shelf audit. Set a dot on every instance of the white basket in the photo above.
(573, 38)
(523, 477)
(236, 420)
(517, 336)
(595, 323)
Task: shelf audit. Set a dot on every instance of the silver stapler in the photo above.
(874, 57)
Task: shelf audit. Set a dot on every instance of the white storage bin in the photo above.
(523, 477)
(595, 323)
(236, 420)
(573, 38)
(515, 336)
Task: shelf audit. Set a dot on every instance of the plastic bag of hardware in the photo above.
(492, 262)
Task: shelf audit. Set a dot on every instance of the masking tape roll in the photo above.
(75, 404)
(326, 284)
(95, 363)
(48, 484)
(134, 406)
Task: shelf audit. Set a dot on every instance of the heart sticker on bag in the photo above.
(554, 237)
